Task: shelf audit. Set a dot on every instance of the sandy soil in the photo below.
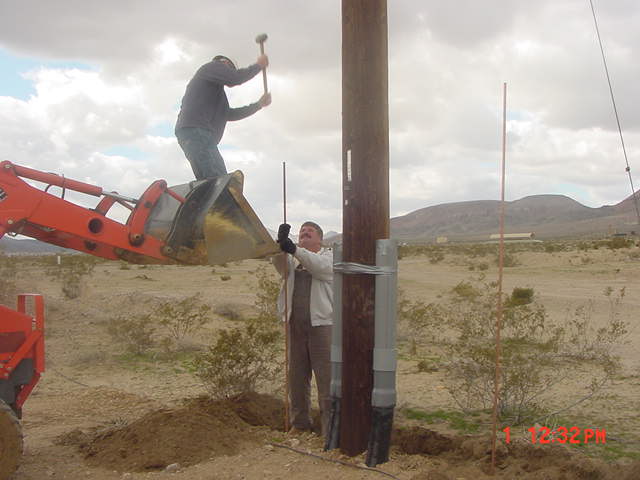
(98, 414)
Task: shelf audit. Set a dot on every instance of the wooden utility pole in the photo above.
(365, 180)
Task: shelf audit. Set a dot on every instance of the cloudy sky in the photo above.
(91, 89)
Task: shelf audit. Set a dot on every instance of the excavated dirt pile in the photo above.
(516, 460)
(199, 430)
(202, 429)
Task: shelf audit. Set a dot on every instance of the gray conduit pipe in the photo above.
(332, 439)
(383, 397)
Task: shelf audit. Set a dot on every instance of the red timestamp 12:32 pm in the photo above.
(569, 435)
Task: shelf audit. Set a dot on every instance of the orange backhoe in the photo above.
(199, 223)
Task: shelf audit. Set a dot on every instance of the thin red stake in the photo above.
(500, 272)
(286, 306)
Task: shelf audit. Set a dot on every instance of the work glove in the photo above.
(283, 232)
(286, 244)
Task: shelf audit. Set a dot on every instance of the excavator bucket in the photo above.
(214, 225)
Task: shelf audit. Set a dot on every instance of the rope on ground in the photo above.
(69, 378)
(332, 460)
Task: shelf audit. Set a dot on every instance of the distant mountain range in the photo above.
(11, 246)
(547, 216)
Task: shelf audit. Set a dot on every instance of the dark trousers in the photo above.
(202, 152)
(309, 351)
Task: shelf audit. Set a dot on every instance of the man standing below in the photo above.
(205, 111)
(310, 307)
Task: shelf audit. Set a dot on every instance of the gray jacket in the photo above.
(205, 103)
(320, 265)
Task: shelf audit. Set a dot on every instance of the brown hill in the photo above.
(548, 216)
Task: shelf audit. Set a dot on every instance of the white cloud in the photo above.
(447, 64)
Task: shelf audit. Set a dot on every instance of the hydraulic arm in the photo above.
(204, 222)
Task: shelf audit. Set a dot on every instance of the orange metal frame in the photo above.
(32, 330)
(37, 213)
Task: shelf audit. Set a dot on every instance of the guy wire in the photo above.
(615, 111)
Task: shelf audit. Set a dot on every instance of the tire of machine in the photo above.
(10, 442)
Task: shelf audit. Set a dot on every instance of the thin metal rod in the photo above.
(615, 111)
(286, 305)
(496, 389)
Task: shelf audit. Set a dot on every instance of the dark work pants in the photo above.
(309, 352)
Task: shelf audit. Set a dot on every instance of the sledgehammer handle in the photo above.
(264, 70)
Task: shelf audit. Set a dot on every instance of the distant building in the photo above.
(513, 236)
(442, 240)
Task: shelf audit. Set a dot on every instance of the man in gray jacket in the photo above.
(310, 307)
(205, 111)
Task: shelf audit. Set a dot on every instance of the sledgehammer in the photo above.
(261, 39)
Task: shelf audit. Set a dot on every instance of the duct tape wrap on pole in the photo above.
(333, 435)
(383, 398)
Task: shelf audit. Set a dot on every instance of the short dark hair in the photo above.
(314, 225)
(222, 57)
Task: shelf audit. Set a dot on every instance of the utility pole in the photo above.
(365, 180)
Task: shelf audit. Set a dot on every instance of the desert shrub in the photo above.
(166, 326)
(71, 272)
(8, 271)
(466, 290)
(228, 311)
(553, 247)
(427, 365)
(240, 360)
(436, 257)
(508, 260)
(422, 321)
(619, 242)
(179, 319)
(520, 296)
(267, 290)
(134, 333)
(536, 352)
(243, 358)
(225, 278)
(586, 342)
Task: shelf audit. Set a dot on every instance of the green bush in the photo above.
(165, 326)
(520, 296)
(239, 360)
(537, 353)
(8, 289)
(421, 320)
(267, 290)
(243, 358)
(619, 242)
(179, 319)
(71, 273)
(135, 334)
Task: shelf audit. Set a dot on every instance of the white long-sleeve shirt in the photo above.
(320, 266)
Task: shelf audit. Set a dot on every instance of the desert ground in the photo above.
(103, 414)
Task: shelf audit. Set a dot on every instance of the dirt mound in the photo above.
(259, 410)
(202, 429)
(199, 430)
(516, 460)
(417, 440)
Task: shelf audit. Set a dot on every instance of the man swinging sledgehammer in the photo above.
(205, 110)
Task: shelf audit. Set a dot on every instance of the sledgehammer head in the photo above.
(261, 38)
